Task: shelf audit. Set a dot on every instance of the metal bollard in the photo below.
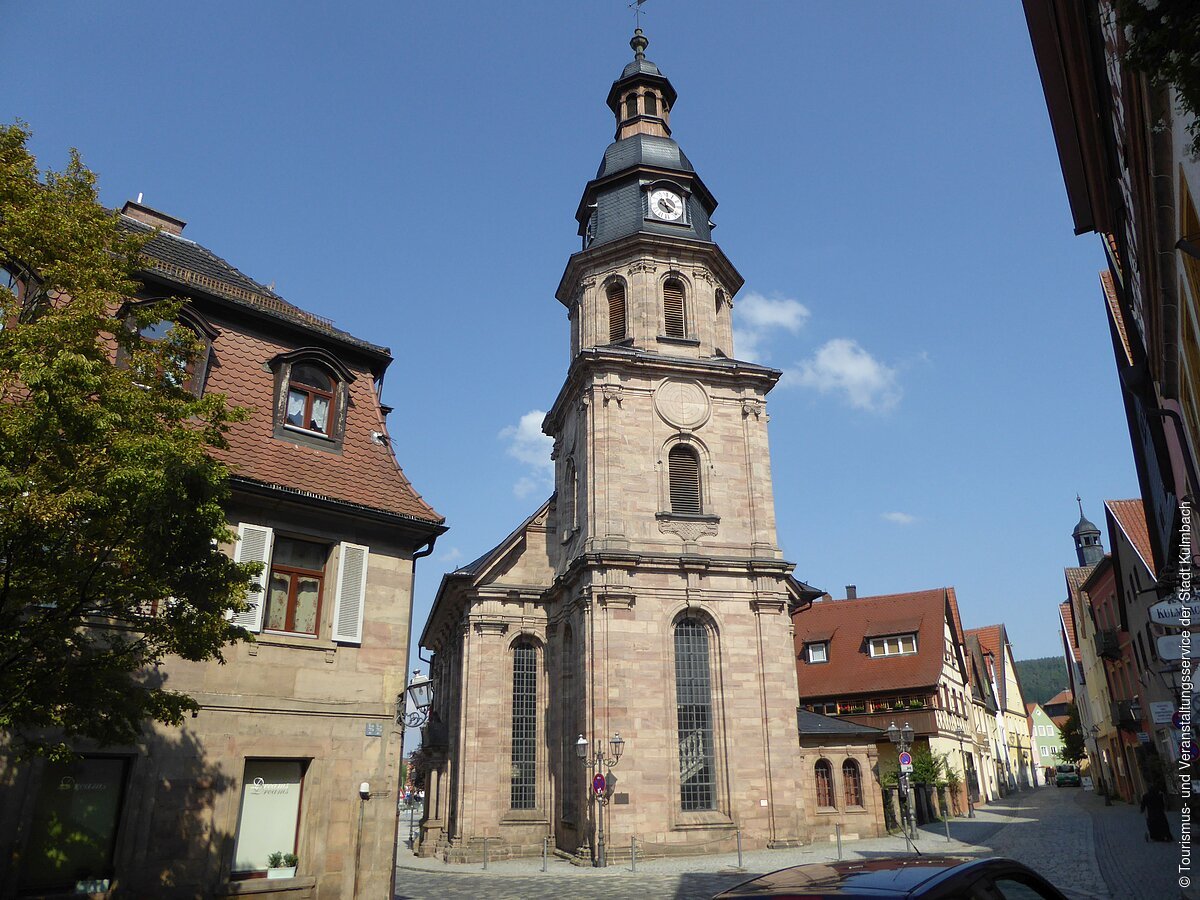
(947, 821)
(633, 853)
(485, 854)
(545, 851)
(739, 839)
(838, 830)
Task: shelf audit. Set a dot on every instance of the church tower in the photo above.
(648, 596)
(664, 513)
(1088, 548)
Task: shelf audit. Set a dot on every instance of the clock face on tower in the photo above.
(666, 205)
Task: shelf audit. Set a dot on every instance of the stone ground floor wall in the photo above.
(177, 813)
(854, 821)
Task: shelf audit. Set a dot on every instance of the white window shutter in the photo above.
(351, 594)
(254, 545)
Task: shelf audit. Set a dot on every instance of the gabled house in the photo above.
(893, 658)
(1047, 742)
(1015, 769)
(984, 721)
(296, 746)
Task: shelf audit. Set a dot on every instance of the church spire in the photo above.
(1088, 548)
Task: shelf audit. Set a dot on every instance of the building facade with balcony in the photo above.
(1014, 766)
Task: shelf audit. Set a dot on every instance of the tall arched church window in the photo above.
(852, 783)
(631, 106)
(616, 312)
(693, 703)
(650, 103)
(683, 469)
(824, 776)
(673, 309)
(523, 793)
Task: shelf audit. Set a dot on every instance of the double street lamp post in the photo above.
(595, 760)
(960, 734)
(903, 739)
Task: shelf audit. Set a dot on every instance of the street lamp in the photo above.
(420, 692)
(594, 759)
(960, 734)
(1095, 731)
(903, 738)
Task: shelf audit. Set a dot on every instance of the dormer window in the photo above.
(310, 399)
(190, 341)
(894, 645)
(817, 651)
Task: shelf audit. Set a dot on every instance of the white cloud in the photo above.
(449, 555)
(898, 518)
(529, 446)
(842, 366)
(760, 318)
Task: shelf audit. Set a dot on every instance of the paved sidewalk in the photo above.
(1133, 868)
(994, 831)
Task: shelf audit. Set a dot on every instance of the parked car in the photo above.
(1068, 775)
(889, 878)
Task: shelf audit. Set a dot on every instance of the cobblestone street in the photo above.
(1086, 849)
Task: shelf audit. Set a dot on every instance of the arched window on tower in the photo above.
(673, 309)
(631, 106)
(616, 312)
(683, 469)
(852, 783)
(523, 794)
(824, 775)
(650, 104)
(693, 705)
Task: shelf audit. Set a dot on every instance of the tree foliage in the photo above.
(1074, 746)
(1164, 42)
(110, 501)
(1041, 678)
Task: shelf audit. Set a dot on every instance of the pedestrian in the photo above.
(1154, 805)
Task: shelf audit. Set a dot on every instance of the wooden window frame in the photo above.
(311, 393)
(293, 573)
(852, 788)
(824, 791)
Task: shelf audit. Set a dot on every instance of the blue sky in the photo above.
(888, 185)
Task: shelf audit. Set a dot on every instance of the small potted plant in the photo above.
(282, 865)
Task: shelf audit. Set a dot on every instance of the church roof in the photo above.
(643, 150)
(639, 66)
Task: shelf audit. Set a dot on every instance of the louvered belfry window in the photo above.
(693, 707)
(524, 727)
(684, 470)
(631, 106)
(616, 312)
(673, 309)
(651, 104)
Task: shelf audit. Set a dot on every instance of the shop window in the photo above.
(73, 831)
(270, 813)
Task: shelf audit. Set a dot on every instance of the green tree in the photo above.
(1074, 748)
(110, 501)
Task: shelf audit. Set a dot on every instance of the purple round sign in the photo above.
(598, 784)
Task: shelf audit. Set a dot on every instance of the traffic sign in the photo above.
(906, 762)
(598, 785)
(1162, 711)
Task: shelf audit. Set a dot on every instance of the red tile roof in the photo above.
(1130, 516)
(1063, 696)
(1076, 576)
(1114, 309)
(364, 472)
(851, 670)
(1067, 612)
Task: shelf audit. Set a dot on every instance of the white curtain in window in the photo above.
(295, 408)
(320, 414)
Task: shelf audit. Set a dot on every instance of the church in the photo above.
(620, 669)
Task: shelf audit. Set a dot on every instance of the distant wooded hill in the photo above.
(1042, 678)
